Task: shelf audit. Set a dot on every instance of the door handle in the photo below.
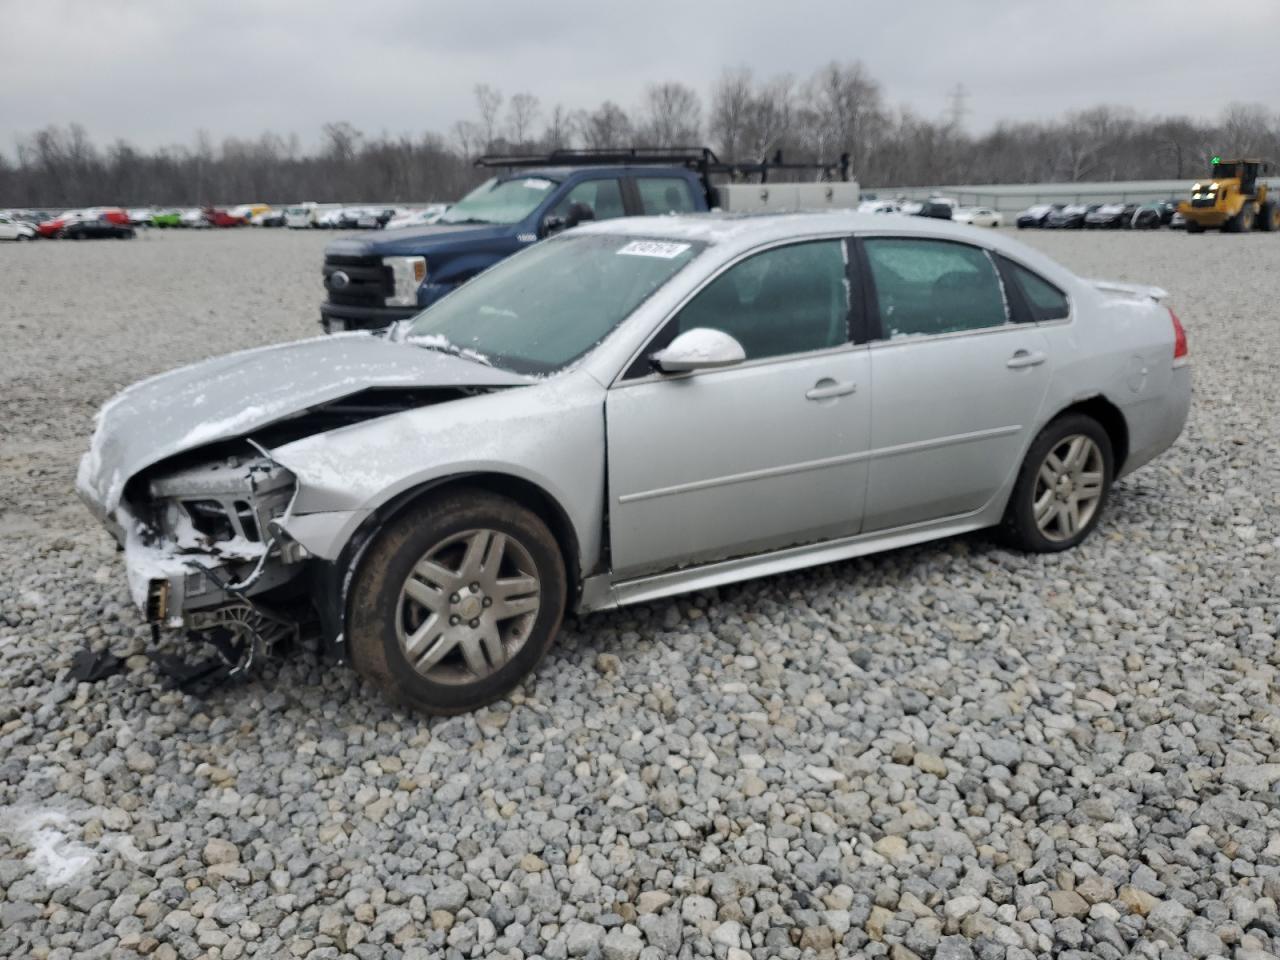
(1024, 358)
(827, 388)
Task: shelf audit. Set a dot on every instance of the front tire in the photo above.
(1062, 486)
(1242, 222)
(456, 601)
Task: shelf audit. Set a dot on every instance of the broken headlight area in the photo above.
(203, 536)
(205, 556)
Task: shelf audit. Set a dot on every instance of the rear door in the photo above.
(957, 384)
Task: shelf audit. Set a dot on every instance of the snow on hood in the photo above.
(226, 397)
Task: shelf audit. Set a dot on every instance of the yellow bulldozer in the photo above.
(1233, 199)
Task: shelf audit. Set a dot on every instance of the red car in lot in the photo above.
(221, 218)
(55, 227)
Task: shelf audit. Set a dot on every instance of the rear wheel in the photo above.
(1269, 216)
(456, 602)
(1062, 486)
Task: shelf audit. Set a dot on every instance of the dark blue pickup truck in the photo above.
(375, 280)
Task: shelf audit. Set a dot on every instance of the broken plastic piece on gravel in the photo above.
(90, 666)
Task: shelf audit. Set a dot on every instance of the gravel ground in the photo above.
(949, 751)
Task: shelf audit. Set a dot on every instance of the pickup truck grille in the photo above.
(357, 281)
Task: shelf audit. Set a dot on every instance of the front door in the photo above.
(768, 454)
(958, 385)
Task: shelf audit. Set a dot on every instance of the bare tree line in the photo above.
(840, 108)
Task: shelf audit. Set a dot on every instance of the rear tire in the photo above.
(436, 622)
(1269, 217)
(1062, 486)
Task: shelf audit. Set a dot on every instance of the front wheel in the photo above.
(1062, 486)
(457, 601)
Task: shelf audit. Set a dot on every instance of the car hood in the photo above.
(227, 397)
(418, 240)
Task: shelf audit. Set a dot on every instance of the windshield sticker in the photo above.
(653, 248)
(536, 183)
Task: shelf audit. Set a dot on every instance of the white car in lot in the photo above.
(978, 217)
(878, 206)
(301, 216)
(422, 217)
(13, 229)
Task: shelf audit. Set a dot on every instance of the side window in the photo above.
(604, 197)
(791, 299)
(1047, 301)
(664, 195)
(928, 287)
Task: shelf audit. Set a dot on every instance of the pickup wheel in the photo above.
(456, 602)
(1062, 486)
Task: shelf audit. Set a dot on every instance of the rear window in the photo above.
(1047, 302)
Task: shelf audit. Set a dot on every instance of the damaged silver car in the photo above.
(627, 411)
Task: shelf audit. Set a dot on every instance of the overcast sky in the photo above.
(155, 71)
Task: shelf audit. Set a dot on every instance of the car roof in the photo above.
(753, 229)
(734, 233)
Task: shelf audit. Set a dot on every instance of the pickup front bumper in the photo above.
(335, 318)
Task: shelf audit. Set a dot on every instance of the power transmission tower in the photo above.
(958, 99)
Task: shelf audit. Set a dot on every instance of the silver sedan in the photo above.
(631, 410)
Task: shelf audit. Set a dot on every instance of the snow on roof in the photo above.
(752, 229)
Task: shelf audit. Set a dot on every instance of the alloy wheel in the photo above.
(1068, 488)
(468, 606)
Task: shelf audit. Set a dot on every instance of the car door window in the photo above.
(929, 287)
(664, 195)
(791, 299)
(604, 197)
(1047, 302)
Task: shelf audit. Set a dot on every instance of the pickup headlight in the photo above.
(407, 274)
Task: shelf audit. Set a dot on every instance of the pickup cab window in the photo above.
(664, 195)
(604, 197)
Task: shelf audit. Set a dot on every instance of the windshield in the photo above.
(542, 309)
(500, 201)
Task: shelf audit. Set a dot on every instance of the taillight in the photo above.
(1179, 337)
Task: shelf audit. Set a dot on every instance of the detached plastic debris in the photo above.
(90, 666)
(197, 677)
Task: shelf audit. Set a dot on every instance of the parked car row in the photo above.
(939, 208)
(122, 222)
(1113, 216)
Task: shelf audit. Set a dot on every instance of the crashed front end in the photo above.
(228, 533)
(205, 553)
(205, 536)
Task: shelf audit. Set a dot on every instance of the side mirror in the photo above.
(578, 213)
(552, 223)
(698, 349)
